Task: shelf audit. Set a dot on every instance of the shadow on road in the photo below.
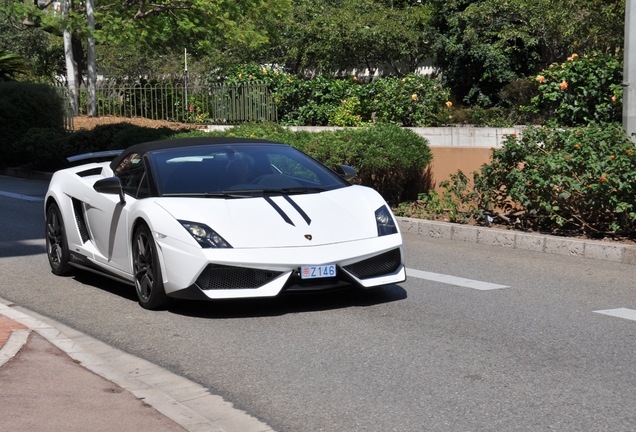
(288, 303)
(258, 307)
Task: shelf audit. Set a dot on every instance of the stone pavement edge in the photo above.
(54, 378)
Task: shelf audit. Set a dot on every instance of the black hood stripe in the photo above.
(279, 210)
(298, 209)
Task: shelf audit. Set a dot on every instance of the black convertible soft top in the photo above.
(144, 148)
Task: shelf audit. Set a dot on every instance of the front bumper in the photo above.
(242, 273)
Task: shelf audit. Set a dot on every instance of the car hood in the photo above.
(340, 215)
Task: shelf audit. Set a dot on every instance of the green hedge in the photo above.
(26, 106)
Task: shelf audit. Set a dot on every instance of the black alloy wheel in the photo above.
(56, 243)
(148, 281)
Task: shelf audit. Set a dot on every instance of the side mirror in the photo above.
(346, 172)
(112, 186)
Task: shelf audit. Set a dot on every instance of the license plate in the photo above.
(317, 271)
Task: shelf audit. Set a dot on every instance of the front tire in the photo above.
(148, 280)
(56, 242)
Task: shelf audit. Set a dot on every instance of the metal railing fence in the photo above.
(208, 104)
(62, 91)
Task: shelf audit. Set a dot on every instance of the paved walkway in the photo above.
(53, 378)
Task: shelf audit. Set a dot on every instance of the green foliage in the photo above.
(42, 53)
(348, 114)
(482, 45)
(414, 100)
(456, 203)
(335, 37)
(24, 106)
(579, 179)
(113, 136)
(11, 65)
(582, 90)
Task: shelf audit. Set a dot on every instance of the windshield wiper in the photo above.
(246, 193)
(281, 191)
(224, 194)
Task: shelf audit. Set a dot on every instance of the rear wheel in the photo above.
(148, 281)
(56, 243)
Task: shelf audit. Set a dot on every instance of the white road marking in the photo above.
(629, 314)
(20, 196)
(453, 280)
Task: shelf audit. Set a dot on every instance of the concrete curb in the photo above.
(13, 345)
(592, 249)
(186, 403)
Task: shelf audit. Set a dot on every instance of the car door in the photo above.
(107, 216)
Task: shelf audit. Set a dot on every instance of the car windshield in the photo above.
(239, 170)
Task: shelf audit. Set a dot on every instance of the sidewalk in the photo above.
(53, 381)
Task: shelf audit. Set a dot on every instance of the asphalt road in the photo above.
(530, 354)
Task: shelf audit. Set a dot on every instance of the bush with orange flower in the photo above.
(563, 180)
(582, 90)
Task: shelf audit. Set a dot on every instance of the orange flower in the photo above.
(575, 56)
(567, 158)
(613, 99)
(612, 157)
(540, 78)
(449, 104)
(250, 77)
(576, 146)
(629, 151)
(603, 178)
(563, 85)
(414, 96)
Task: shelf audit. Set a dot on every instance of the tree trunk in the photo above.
(71, 67)
(91, 59)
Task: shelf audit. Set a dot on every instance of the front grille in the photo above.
(379, 265)
(227, 277)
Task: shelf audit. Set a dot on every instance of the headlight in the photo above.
(204, 235)
(385, 222)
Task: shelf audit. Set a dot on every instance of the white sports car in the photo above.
(214, 218)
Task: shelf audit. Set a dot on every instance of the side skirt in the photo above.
(80, 263)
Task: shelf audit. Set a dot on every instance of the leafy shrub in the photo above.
(456, 203)
(42, 148)
(24, 106)
(348, 114)
(580, 91)
(414, 100)
(575, 179)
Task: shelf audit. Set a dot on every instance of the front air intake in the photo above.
(379, 265)
(217, 276)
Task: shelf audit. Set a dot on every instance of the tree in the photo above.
(337, 36)
(11, 65)
(37, 48)
(485, 44)
(166, 25)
